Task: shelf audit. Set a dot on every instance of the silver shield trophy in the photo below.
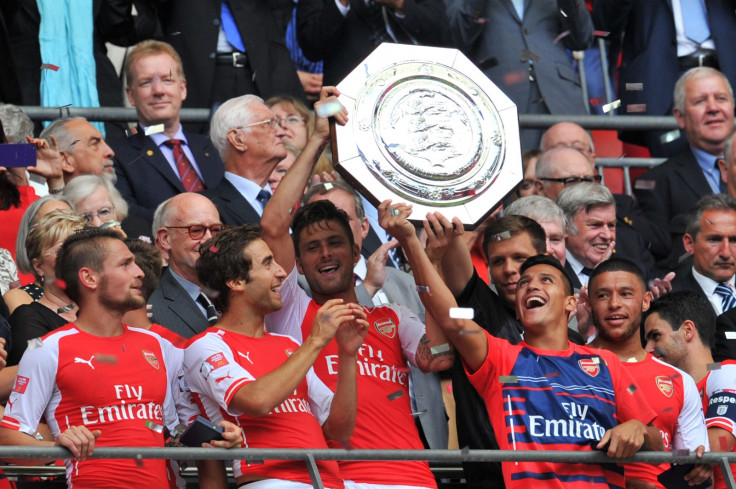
(427, 127)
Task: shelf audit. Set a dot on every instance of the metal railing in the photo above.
(310, 456)
(619, 122)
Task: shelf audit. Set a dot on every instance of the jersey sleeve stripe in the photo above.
(230, 394)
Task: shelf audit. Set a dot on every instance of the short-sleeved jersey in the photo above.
(119, 385)
(674, 396)
(718, 390)
(384, 417)
(218, 363)
(556, 400)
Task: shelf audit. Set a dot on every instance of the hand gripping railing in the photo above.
(310, 456)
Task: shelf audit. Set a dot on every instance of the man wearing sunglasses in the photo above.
(248, 136)
(181, 224)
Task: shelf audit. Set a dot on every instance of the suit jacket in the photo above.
(667, 192)
(499, 42)
(145, 178)
(174, 309)
(233, 208)
(573, 277)
(399, 288)
(649, 51)
(192, 27)
(342, 42)
(686, 281)
(725, 348)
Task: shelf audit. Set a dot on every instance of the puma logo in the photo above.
(88, 362)
(247, 357)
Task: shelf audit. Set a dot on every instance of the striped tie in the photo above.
(727, 297)
(188, 176)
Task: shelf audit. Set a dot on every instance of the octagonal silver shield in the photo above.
(427, 127)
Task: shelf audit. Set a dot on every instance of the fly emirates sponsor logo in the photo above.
(129, 407)
(576, 426)
(292, 405)
(370, 363)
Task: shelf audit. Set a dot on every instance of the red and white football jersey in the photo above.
(218, 363)
(718, 390)
(673, 394)
(119, 385)
(384, 417)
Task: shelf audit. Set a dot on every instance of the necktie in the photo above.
(587, 271)
(189, 178)
(723, 186)
(519, 6)
(263, 197)
(232, 34)
(209, 307)
(727, 298)
(693, 20)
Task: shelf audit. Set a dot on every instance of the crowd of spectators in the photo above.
(270, 297)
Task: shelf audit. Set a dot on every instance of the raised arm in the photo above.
(274, 220)
(465, 335)
(259, 397)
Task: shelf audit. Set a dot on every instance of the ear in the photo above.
(680, 117)
(689, 243)
(183, 90)
(237, 284)
(571, 303)
(539, 187)
(299, 266)
(129, 93)
(356, 254)
(688, 331)
(88, 278)
(36, 264)
(67, 165)
(237, 140)
(365, 226)
(646, 301)
(163, 239)
(724, 170)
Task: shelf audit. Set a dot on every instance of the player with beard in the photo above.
(617, 297)
(96, 381)
(323, 250)
(544, 393)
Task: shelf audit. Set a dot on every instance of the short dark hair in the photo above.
(319, 214)
(711, 202)
(84, 248)
(618, 265)
(535, 260)
(148, 258)
(515, 225)
(677, 307)
(222, 259)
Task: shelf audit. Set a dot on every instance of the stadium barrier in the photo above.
(310, 456)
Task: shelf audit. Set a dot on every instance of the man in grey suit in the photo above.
(181, 225)
(378, 285)
(521, 46)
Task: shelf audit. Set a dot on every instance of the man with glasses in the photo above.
(630, 219)
(248, 137)
(181, 225)
(159, 160)
(562, 167)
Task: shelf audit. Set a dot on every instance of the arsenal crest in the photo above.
(151, 358)
(386, 327)
(590, 366)
(665, 385)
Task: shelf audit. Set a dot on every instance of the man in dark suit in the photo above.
(524, 51)
(632, 227)
(704, 109)
(160, 160)
(711, 240)
(229, 48)
(343, 32)
(182, 224)
(657, 50)
(247, 135)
